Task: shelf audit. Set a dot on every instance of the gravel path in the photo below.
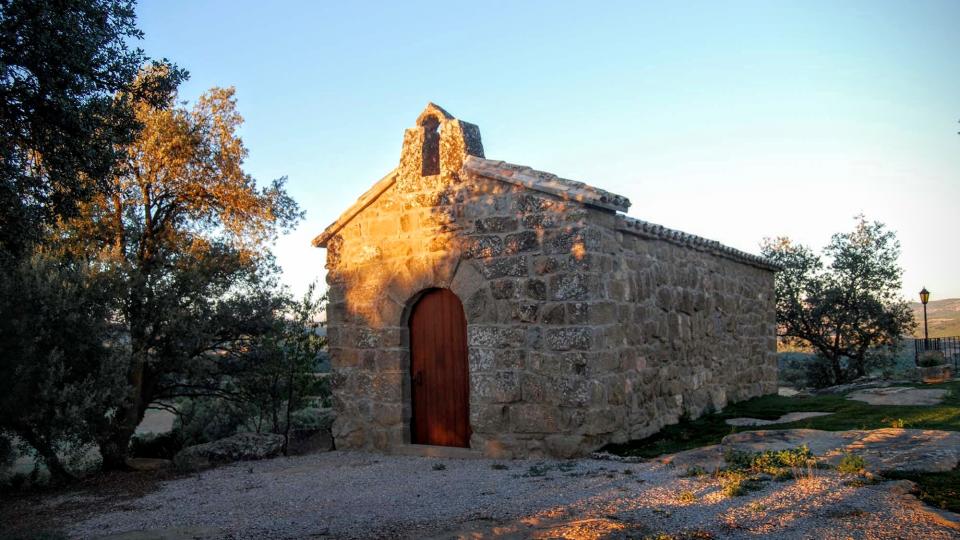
(358, 495)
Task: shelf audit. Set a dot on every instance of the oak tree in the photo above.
(848, 308)
(188, 231)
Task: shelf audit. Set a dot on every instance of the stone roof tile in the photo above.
(652, 230)
(546, 183)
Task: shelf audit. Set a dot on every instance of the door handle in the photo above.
(418, 378)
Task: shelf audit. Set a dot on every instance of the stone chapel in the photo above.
(480, 304)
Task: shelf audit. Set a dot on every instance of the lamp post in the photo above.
(924, 298)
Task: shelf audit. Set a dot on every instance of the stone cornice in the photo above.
(659, 232)
(364, 201)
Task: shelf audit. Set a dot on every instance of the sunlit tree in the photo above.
(848, 308)
(187, 230)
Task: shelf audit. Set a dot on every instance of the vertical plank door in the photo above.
(439, 377)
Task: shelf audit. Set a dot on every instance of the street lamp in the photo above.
(924, 298)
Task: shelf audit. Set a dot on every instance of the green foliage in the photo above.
(694, 471)
(736, 483)
(439, 467)
(851, 464)
(185, 231)
(153, 445)
(62, 359)
(203, 420)
(311, 418)
(61, 67)
(931, 359)
(848, 311)
(772, 462)
(8, 452)
(277, 376)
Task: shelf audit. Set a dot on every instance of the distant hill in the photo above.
(943, 317)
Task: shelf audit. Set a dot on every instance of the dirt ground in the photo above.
(359, 495)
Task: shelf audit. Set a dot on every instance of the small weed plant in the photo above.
(851, 464)
(439, 467)
(745, 470)
(694, 471)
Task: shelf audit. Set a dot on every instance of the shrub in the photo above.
(694, 470)
(851, 464)
(311, 418)
(736, 483)
(8, 453)
(209, 419)
(151, 445)
(819, 372)
(930, 359)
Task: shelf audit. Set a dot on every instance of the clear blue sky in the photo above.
(731, 120)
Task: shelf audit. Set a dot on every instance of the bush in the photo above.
(792, 369)
(311, 418)
(209, 419)
(8, 452)
(736, 483)
(150, 445)
(851, 464)
(819, 373)
(930, 359)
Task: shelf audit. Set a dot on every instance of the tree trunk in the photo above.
(58, 473)
(115, 443)
(837, 369)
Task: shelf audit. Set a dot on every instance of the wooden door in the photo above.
(439, 376)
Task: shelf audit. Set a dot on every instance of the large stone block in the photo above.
(504, 267)
(534, 418)
(496, 224)
(497, 387)
(565, 339)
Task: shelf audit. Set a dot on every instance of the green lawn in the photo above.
(937, 489)
(847, 414)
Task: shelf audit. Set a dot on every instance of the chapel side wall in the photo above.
(698, 331)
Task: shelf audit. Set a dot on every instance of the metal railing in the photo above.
(949, 346)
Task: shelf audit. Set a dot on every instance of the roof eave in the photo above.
(364, 201)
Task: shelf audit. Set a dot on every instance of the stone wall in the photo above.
(581, 329)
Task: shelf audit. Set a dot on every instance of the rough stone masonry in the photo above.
(584, 326)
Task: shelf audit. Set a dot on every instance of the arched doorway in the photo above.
(439, 375)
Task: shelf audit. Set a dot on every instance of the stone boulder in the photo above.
(239, 447)
(887, 449)
(935, 374)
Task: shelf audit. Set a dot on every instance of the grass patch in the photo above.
(847, 414)
(439, 467)
(936, 489)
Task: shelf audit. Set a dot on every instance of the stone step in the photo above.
(426, 450)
